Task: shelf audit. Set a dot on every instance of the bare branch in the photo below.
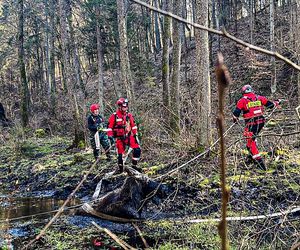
(223, 79)
(121, 242)
(222, 33)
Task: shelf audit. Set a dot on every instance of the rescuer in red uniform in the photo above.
(252, 108)
(121, 125)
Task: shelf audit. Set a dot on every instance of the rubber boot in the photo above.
(119, 170)
(96, 154)
(108, 157)
(249, 159)
(260, 163)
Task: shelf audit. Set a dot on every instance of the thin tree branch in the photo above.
(121, 242)
(141, 235)
(223, 79)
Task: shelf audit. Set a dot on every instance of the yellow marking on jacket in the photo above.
(254, 104)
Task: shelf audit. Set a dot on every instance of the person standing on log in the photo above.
(97, 132)
(252, 108)
(121, 125)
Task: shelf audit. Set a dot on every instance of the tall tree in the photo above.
(24, 85)
(165, 59)
(298, 44)
(174, 85)
(100, 60)
(50, 53)
(295, 31)
(126, 77)
(251, 20)
(73, 48)
(203, 76)
(157, 30)
(65, 44)
(71, 82)
(272, 47)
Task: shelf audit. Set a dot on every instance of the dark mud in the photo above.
(46, 171)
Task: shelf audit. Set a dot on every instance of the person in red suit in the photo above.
(252, 108)
(122, 127)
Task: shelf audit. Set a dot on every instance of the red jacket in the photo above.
(121, 124)
(252, 105)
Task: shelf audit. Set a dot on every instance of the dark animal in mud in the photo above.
(124, 196)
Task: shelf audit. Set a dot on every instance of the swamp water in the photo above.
(17, 214)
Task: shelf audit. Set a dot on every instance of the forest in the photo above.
(150, 124)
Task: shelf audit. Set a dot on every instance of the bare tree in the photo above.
(165, 59)
(50, 53)
(295, 36)
(100, 60)
(24, 89)
(272, 47)
(126, 77)
(71, 82)
(297, 40)
(174, 87)
(203, 76)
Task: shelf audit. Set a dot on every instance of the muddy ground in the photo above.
(43, 168)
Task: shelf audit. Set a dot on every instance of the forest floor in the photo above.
(42, 168)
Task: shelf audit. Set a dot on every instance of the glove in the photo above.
(235, 119)
(100, 127)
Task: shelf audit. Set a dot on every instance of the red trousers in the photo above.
(253, 127)
(122, 143)
(131, 142)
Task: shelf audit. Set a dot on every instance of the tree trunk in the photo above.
(66, 67)
(52, 57)
(251, 20)
(25, 97)
(295, 31)
(272, 47)
(100, 60)
(74, 49)
(157, 29)
(50, 54)
(165, 62)
(38, 65)
(65, 41)
(174, 87)
(213, 14)
(203, 76)
(236, 27)
(126, 77)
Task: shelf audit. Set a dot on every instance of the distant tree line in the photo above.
(52, 48)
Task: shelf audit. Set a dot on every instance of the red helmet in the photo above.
(122, 102)
(94, 107)
(247, 89)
